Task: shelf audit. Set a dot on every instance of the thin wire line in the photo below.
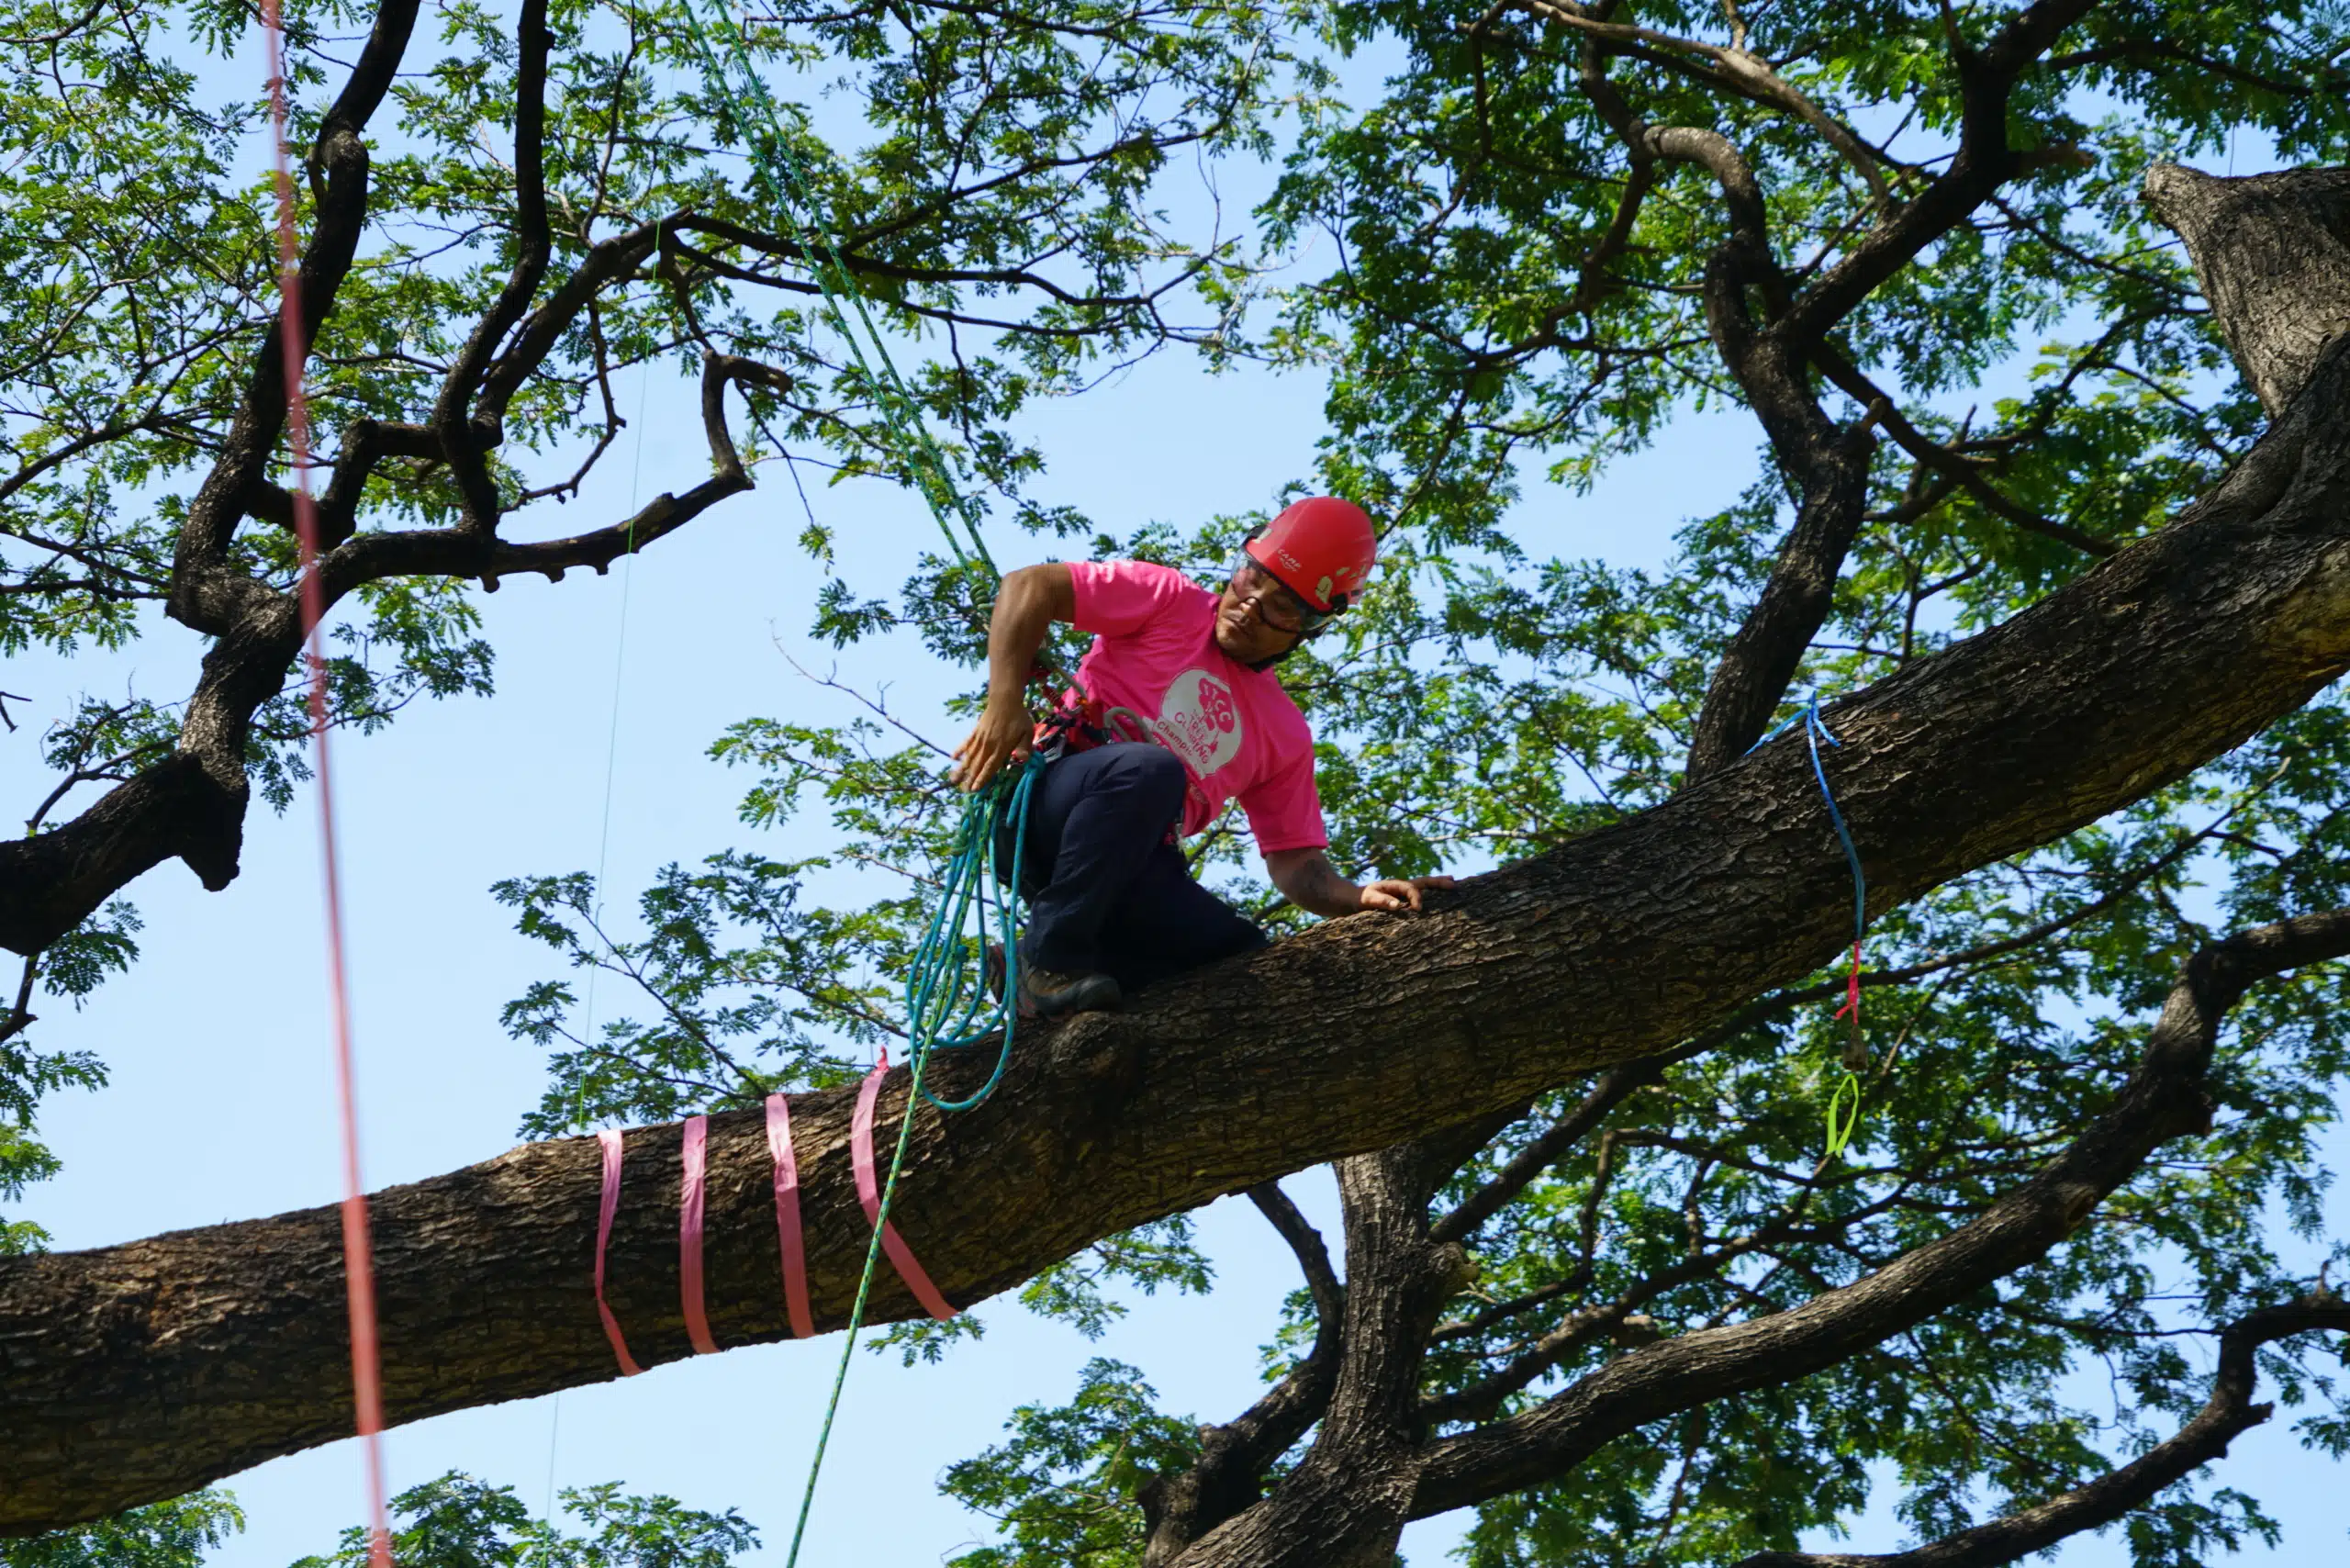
(604, 833)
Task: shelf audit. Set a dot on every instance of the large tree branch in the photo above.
(1828, 468)
(2163, 1098)
(2228, 1413)
(51, 883)
(464, 440)
(1229, 1474)
(1765, 653)
(207, 593)
(1983, 163)
(370, 558)
(193, 804)
(2261, 246)
(1831, 469)
(1644, 934)
(1732, 69)
(1347, 1500)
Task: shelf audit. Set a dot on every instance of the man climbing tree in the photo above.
(1111, 907)
(2054, 507)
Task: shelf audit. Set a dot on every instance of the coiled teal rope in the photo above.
(942, 995)
(948, 1002)
(947, 1005)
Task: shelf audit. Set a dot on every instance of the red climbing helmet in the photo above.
(1322, 549)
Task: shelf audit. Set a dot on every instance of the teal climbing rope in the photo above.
(949, 1002)
(948, 999)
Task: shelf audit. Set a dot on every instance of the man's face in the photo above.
(1258, 617)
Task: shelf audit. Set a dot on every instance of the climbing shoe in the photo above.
(1044, 994)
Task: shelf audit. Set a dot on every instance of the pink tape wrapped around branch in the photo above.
(610, 1140)
(693, 1205)
(787, 1216)
(696, 1158)
(902, 1257)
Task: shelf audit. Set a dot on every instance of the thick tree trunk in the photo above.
(2269, 251)
(1345, 1503)
(134, 1372)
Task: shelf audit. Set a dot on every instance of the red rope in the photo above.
(359, 1273)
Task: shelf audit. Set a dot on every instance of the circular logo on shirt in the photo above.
(1199, 722)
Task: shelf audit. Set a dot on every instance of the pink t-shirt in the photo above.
(1234, 730)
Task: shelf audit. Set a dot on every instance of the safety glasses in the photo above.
(1278, 605)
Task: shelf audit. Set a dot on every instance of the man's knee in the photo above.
(1243, 935)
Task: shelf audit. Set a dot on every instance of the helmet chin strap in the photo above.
(1263, 665)
(1297, 641)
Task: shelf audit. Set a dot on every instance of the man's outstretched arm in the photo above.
(1307, 880)
(1030, 601)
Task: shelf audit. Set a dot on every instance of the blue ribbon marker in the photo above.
(1846, 1096)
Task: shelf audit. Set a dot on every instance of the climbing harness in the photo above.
(1844, 1100)
(358, 1252)
(1077, 720)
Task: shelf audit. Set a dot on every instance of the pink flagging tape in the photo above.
(787, 1216)
(868, 1193)
(610, 1138)
(689, 1207)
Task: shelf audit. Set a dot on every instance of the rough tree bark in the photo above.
(138, 1371)
(2267, 251)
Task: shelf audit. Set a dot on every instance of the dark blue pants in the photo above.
(1108, 892)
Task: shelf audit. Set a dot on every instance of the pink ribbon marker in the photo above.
(902, 1257)
(610, 1140)
(689, 1207)
(787, 1216)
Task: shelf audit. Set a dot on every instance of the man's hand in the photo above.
(1027, 602)
(1004, 734)
(1307, 880)
(1399, 892)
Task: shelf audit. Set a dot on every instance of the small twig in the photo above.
(21, 1015)
(878, 707)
